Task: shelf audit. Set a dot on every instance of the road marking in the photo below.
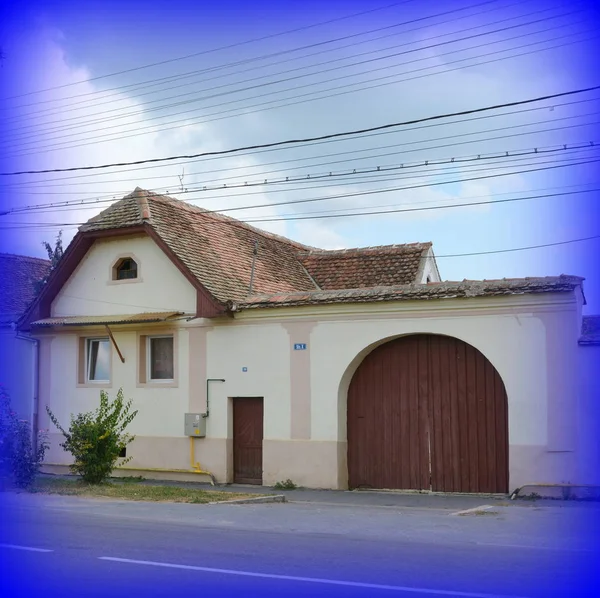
(316, 580)
(29, 548)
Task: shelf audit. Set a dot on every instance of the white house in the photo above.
(258, 359)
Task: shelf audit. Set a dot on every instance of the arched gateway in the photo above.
(427, 412)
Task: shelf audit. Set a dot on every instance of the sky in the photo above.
(107, 82)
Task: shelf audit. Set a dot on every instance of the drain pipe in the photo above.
(36, 384)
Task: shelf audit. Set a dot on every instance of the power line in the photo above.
(169, 79)
(94, 204)
(17, 225)
(122, 112)
(517, 154)
(213, 50)
(389, 189)
(570, 241)
(310, 139)
(337, 140)
(55, 143)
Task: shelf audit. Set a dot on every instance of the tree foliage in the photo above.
(55, 254)
(96, 439)
(20, 459)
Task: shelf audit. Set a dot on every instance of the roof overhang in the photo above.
(113, 320)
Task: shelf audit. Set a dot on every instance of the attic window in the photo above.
(125, 269)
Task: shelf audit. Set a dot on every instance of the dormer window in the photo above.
(125, 269)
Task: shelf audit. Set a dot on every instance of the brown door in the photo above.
(247, 440)
(428, 412)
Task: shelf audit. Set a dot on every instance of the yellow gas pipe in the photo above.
(196, 466)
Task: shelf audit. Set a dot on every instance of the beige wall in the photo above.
(90, 290)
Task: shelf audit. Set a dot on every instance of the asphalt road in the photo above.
(54, 546)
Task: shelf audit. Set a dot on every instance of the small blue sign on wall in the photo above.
(244, 369)
(300, 347)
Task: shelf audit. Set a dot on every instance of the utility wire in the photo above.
(355, 174)
(173, 78)
(85, 120)
(310, 139)
(43, 182)
(56, 143)
(213, 50)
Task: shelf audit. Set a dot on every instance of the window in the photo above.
(125, 269)
(160, 358)
(98, 360)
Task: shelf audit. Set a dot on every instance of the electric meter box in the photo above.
(195, 425)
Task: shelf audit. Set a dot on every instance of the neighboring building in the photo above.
(18, 277)
(589, 411)
(335, 369)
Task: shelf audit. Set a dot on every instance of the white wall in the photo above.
(159, 287)
(17, 371)
(589, 412)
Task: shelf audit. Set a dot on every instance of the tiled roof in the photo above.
(18, 275)
(590, 331)
(366, 267)
(219, 251)
(434, 290)
(143, 318)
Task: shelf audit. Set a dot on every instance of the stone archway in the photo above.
(427, 412)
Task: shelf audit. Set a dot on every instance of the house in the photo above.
(18, 277)
(259, 359)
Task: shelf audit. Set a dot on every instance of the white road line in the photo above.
(332, 582)
(29, 548)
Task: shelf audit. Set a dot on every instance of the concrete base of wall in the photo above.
(308, 463)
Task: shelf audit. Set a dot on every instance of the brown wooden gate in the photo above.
(248, 440)
(428, 412)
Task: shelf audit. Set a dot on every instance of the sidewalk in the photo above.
(377, 499)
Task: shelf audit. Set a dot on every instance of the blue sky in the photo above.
(408, 61)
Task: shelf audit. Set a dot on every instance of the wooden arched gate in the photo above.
(427, 412)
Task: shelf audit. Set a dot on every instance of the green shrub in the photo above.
(20, 460)
(96, 439)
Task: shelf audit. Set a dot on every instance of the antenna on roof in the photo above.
(181, 177)
(255, 253)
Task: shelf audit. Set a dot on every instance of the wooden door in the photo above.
(427, 412)
(247, 440)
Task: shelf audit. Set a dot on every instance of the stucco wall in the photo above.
(16, 371)
(159, 287)
(589, 413)
(531, 340)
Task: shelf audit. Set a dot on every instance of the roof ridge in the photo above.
(349, 250)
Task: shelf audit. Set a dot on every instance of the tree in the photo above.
(54, 255)
(20, 460)
(97, 439)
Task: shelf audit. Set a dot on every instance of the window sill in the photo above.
(100, 385)
(166, 384)
(125, 281)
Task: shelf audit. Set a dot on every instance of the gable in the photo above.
(91, 290)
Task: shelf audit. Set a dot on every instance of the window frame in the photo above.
(117, 262)
(149, 378)
(88, 355)
(118, 269)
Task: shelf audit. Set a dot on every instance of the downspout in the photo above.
(36, 386)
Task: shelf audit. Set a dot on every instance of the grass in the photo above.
(132, 491)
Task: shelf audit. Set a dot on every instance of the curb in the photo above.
(258, 500)
(482, 508)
